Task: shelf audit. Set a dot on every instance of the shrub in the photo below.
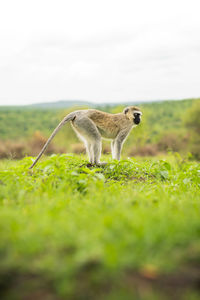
(106, 149)
(192, 122)
(38, 141)
(3, 152)
(173, 142)
(78, 148)
(17, 150)
(191, 117)
(145, 150)
(14, 150)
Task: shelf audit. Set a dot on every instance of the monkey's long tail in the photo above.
(66, 119)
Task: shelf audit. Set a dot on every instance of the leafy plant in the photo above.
(68, 229)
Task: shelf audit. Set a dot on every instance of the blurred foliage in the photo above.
(19, 123)
(72, 232)
(127, 230)
(166, 126)
(192, 117)
(192, 123)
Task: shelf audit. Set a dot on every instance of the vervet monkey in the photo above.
(91, 125)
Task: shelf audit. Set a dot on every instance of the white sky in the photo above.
(105, 50)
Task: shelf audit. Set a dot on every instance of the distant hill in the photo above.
(61, 104)
(70, 103)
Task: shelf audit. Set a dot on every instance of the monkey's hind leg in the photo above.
(91, 136)
(96, 146)
(90, 152)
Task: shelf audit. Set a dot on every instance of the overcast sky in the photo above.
(99, 50)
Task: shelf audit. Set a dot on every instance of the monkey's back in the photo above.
(108, 124)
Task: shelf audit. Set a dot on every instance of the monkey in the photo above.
(92, 125)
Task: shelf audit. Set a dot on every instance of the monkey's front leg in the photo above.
(117, 144)
(117, 148)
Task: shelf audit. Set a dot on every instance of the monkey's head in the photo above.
(134, 114)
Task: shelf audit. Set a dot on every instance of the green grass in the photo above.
(129, 230)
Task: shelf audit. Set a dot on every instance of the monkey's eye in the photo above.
(136, 115)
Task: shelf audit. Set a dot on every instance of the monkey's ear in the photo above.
(126, 110)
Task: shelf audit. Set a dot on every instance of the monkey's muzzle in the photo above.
(137, 120)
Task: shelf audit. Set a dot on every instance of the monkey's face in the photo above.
(137, 117)
(134, 114)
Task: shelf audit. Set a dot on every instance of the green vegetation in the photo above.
(129, 230)
(18, 123)
(164, 128)
(192, 122)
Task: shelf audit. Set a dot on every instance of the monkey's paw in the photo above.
(100, 164)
